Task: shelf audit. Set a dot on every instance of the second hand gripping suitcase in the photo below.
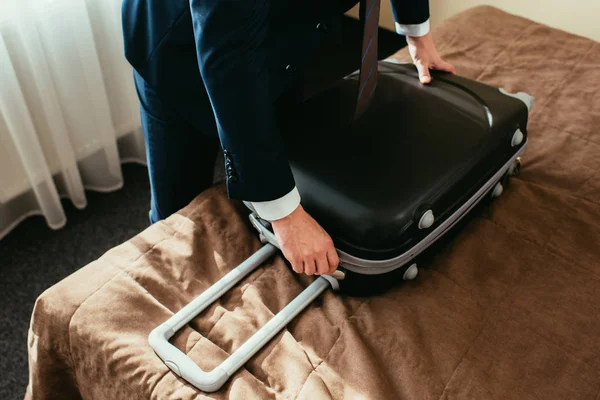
(418, 160)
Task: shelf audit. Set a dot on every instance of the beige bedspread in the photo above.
(508, 310)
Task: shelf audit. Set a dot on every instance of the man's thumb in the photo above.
(424, 75)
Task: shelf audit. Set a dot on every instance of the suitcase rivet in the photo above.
(517, 138)
(515, 167)
(411, 273)
(427, 219)
(498, 189)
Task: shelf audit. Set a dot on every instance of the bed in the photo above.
(508, 309)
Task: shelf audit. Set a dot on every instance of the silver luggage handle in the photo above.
(213, 380)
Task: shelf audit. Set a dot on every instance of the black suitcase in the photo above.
(416, 162)
(385, 188)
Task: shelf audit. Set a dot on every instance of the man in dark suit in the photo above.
(208, 73)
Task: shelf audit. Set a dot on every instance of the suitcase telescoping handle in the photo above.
(212, 381)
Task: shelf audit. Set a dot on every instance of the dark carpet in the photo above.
(33, 258)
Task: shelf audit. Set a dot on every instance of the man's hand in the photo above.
(425, 56)
(305, 244)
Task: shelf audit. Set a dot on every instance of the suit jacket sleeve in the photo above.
(410, 12)
(232, 49)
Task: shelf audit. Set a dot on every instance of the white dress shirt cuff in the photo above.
(414, 30)
(278, 208)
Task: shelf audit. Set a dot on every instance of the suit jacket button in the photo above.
(321, 27)
(290, 68)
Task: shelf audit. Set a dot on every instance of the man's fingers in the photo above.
(310, 266)
(333, 261)
(304, 243)
(424, 75)
(297, 266)
(444, 66)
(322, 265)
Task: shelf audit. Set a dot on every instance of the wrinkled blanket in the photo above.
(509, 309)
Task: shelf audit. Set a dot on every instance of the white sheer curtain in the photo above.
(69, 114)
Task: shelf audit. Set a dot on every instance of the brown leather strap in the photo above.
(369, 15)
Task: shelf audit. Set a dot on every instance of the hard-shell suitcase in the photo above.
(417, 161)
(385, 188)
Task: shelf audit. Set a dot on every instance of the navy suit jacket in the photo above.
(222, 64)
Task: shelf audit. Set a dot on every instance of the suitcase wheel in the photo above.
(411, 273)
(497, 191)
